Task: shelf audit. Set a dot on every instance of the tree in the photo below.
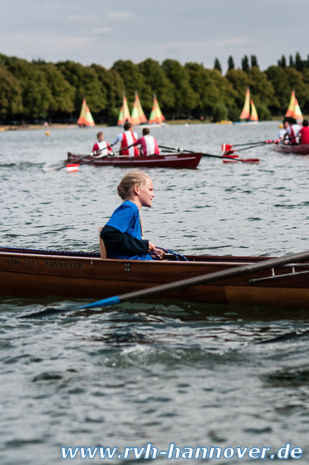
(254, 61)
(184, 97)
(113, 86)
(245, 63)
(277, 76)
(155, 77)
(231, 64)
(10, 94)
(291, 64)
(217, 65)
(133, 81)
(282, 62)
(298, 62)
(62, 93)
(86, 84)
(36, 95)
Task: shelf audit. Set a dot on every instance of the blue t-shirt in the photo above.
(126, 219)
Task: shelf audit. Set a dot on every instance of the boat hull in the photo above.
(301, 149)
(30, 273)
(177, 160)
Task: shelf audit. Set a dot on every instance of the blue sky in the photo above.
(103, 31)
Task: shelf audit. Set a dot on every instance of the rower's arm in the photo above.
(123, 242)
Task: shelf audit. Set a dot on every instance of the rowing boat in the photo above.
(297, 149)
(168, 160)
(39, 273)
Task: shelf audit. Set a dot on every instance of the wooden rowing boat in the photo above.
(35, 273)
(170, 160)
(297, 149)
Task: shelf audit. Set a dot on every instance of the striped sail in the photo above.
(85, 119)
(138, 115)
(245, 114)
(254, 115)
(156, 115)
(124, 114)
(294, 109)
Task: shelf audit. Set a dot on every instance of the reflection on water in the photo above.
(152, 372)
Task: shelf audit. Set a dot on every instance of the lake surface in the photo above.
(158, 372)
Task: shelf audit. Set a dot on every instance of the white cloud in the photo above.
(121, 15)
(83, 18)
(97, 30)
(49, 6)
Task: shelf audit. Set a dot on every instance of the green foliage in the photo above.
(219, 112)
(230, 63)
(38, 89)
(10, 94)
(217, 65)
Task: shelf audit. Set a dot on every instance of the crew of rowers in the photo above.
(128, 143)
(294, 133)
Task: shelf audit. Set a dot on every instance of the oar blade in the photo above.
(72, 167)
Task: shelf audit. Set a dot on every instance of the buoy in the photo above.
(47, 133)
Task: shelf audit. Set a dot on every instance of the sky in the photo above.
(104, 31)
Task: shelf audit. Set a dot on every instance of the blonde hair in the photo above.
(131, 179)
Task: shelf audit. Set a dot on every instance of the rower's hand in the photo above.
(155, 252)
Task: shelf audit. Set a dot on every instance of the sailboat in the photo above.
(156, 116)
(294, 108)
(138, 115)
(246, 115)
(85, 118)
(124, 114)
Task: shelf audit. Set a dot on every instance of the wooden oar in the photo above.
(182, 284)
(222, 157)
(91, 154)
(229, 146)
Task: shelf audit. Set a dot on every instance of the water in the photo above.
(155, 372)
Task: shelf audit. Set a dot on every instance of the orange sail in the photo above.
(138, 115)
(156, 115)
(124, 114)
(85, 119)
(245, 114)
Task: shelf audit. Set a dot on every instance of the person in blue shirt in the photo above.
(122, 234)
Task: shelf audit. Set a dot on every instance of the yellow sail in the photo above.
(254, 115)
(245, 114)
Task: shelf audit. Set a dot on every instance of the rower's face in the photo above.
(146, 193)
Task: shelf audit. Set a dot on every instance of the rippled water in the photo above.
(155, 372)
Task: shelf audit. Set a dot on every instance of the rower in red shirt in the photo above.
(101, 148)
(304, 133)
(148, 144)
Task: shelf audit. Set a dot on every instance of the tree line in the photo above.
(38, 90)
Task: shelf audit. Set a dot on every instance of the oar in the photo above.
(229, 146)
(91, 154)
(182, 284)
(222, 157)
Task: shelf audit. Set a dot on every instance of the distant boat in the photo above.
(138, 115)
(294, 108)
(124, 114)
(85, 119)
(246, 115)
(156, 116)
